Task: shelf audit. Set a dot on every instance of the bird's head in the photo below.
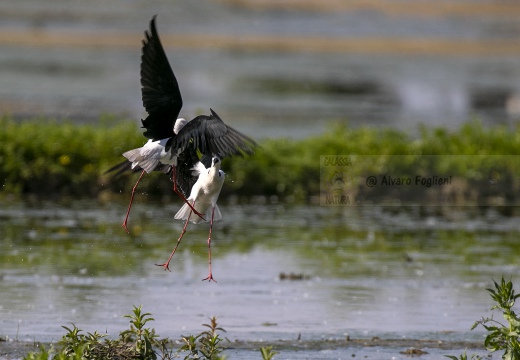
(215, 166)
(215, 161)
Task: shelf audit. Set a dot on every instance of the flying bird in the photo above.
(203, 197)
(174, 143)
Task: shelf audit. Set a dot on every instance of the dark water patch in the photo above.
(306, 86)
(50, 68)
(491, 98)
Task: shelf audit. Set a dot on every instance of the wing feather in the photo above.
(210, 135)
(159, 88)
(185, 178)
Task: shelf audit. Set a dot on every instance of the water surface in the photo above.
(366, 271)
(272, 71)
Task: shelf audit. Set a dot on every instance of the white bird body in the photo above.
(150, 155)
(204, 193)
(153, 153)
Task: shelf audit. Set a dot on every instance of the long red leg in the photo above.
(167, 263)
(130, 205)
(210, 275)
(174, 169)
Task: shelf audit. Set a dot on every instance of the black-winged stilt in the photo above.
(203, 197)
(173, 143)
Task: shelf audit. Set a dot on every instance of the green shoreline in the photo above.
(53, 159)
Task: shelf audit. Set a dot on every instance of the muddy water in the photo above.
(365, 271)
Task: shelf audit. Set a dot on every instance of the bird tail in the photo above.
(217, 215)
(126, 166)
(135, 157)
(185, 211)
(120, 168)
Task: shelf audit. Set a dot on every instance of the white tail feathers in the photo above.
(185, 211)
(133, 155)
(217, 215)
(137, 159)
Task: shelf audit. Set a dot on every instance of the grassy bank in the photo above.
(47, 158)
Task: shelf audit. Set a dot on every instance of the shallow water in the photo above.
(387, 66)
(367, 271)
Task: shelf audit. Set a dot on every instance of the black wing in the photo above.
(121, 168)
(160, 91)
(210, 135)
(185, 162)
(185, 180)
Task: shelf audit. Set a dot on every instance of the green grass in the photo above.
(48, 158)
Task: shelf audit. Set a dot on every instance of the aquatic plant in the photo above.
(267, 352)
(142, 338)
(464, 356)
(204, 345)
(134, 343)
(44, 156)
(48, 158)
(138, 342)
(501, 337)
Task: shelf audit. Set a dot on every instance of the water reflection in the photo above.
(368, 270)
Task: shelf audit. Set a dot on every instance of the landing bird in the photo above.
(203, 197)
(173, 143)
